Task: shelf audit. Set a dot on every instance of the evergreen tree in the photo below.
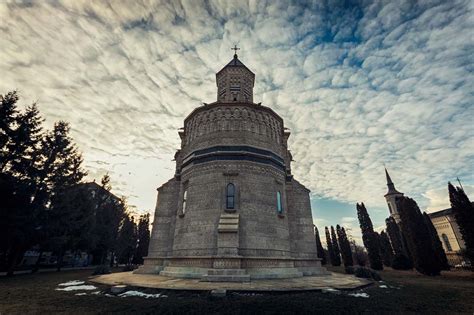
(335, 248)
(332, 256)
(127, 241)
(20, 135)
(345, 246)
(395, 235)
(8, 121)
(319, 246)
(386, 249)
(369, 238)
(436, 242)
(418, 237)
(143, 238)
(62, 173)
(463, 211)
(110, 213)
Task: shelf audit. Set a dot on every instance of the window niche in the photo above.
(279, 204)
(184, 201)
(230, 192)
(230, 197)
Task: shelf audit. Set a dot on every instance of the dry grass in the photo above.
(453, 292)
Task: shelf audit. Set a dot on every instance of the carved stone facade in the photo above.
(233, 211)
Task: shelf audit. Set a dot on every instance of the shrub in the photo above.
(349, 270)
(101, 270)
(129, 268)
(367, 274)
(401, 262)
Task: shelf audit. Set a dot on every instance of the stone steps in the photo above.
(226, 275)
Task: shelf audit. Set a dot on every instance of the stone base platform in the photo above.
(322, 282)
(232, 268)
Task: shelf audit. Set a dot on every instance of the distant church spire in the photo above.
(391, 197)
(390, 184)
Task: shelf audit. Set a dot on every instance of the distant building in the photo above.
(449, 234)
(391, 197)
(443, 221)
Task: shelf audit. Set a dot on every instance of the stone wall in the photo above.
(161, 241)
(262, 232)
(301, 226)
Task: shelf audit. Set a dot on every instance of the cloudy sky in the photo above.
(360, 85)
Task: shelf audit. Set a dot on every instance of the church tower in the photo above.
(233, 211)
(391, 196)
(235, 82)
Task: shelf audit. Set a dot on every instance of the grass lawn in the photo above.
(453, 292)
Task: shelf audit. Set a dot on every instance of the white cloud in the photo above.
(358, 86)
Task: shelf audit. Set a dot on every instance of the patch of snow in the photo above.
(77, 288)
(82, 293)
(70, 283)
(383, 286)
(140, 294)
(95, 292)
(330, 290)
(364, 295)
(109, 295)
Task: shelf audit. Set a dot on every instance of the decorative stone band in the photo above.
(234, 153)
(244, 262)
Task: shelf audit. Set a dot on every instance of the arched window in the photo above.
(446, 242)
(230, 196)
(390, 208)
(184, 201)
(279, 204)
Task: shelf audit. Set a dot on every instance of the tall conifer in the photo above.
(335, 248)
(319, 246)
(436, 242)
(463, 211)
(369, 238)
(345, 246)
(332, 256)
(418, 237)
(386, 249)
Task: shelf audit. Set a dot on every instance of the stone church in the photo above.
(443, 221)
(233, 211)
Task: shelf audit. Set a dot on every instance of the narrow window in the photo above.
(446, 242)
(279, 204)
(184, 201)
(390, 208)
(230, 196)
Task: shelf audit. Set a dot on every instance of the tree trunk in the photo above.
(12, 260)
(59, 261)
(36, 266)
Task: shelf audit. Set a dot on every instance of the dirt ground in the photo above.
(400, 292)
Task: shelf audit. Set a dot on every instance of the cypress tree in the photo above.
(143, 238)
(319, 246)
(127, 241)
(418, 237)
(436, 242)
(332, 256)
(345, 246)
(369, 238)
(386, 249)
(463, 211)
(335, 248)
(395, 235)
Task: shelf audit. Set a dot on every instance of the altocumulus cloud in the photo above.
(359, 85)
